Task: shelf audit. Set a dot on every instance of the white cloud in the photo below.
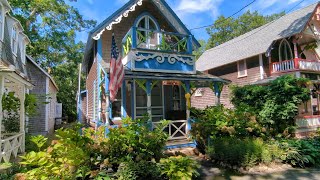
(185, 7)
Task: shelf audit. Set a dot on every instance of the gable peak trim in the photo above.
(118, 19)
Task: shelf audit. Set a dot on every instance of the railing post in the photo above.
(296, 63)
(134, 37)
(148, 87)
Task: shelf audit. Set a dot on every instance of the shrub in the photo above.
(304, 152)
(275, 105)
(218, 121)
(135, 142)
(242, 152)
(139, 170)
(179, 167)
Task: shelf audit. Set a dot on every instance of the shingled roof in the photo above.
(257, 41)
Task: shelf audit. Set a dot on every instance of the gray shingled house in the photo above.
(288, 45)
(46, 91)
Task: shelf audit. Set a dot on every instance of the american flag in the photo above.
(116, 71)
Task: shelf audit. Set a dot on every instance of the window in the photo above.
(1, 22)
(242, 68)
(23, 52)
(199, 92)
(285, 51)
(116, 105)
(146, 35)
(14, 40)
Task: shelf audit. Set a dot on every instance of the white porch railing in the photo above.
(282, 66)
(11, 145)
(177, 129)
(309, 65)
(295, 64)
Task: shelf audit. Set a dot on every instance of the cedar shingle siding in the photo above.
(38, 79)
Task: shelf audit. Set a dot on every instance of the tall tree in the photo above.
(225, 29)
(198, 52)
(52, 26)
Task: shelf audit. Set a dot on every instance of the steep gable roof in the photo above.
(29, 58)
(257, 41)
(130, 6)
(124, 12)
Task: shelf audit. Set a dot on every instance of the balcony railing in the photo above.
(144, 39)
(295, 64)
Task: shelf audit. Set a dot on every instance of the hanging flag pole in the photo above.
(116, 73)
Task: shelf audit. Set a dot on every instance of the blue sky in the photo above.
(194, 13)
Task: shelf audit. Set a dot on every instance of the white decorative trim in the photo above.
(261, 66)
(160, 57)
(118, 20)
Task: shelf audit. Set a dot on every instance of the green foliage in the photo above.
(243, 152)
(40, 141)
(51, 26)
(10, 109)
(304, 152)
(225, 29)
(198, 52)
(11, 172)
(275, 105)
(135, 142)
(218, 121)
(88, 155)
(61, 159)
(30, 104)
(179, 167)
(139, 170)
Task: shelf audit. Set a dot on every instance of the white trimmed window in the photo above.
(242, 68)
(23, 52)
(14, 39)
(1, 22)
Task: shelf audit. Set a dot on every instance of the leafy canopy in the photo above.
(51, 26)
(225, 29)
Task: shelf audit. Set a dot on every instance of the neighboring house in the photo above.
(288, 45)
(156, 50)
(46, 91)
(13, 78)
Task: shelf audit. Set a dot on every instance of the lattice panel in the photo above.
(10, 147)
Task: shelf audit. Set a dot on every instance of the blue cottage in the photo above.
(160, 75)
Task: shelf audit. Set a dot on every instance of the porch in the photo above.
(160, 96)
(296, 64)
(12, 115)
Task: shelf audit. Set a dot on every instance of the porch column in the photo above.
(188, 98)
(217, 92)
(107, 93)
(22, 114)
(124, 99)
(133, 103)
(295, 49)
(1, 94)
(148, 87)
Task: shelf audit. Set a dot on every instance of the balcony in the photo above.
(158, 51)
(295, 65)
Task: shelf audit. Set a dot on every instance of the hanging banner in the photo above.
(171, 82)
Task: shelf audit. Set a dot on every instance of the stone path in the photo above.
(271, 172)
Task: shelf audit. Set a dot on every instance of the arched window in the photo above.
(147, 37)
(285, 50)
